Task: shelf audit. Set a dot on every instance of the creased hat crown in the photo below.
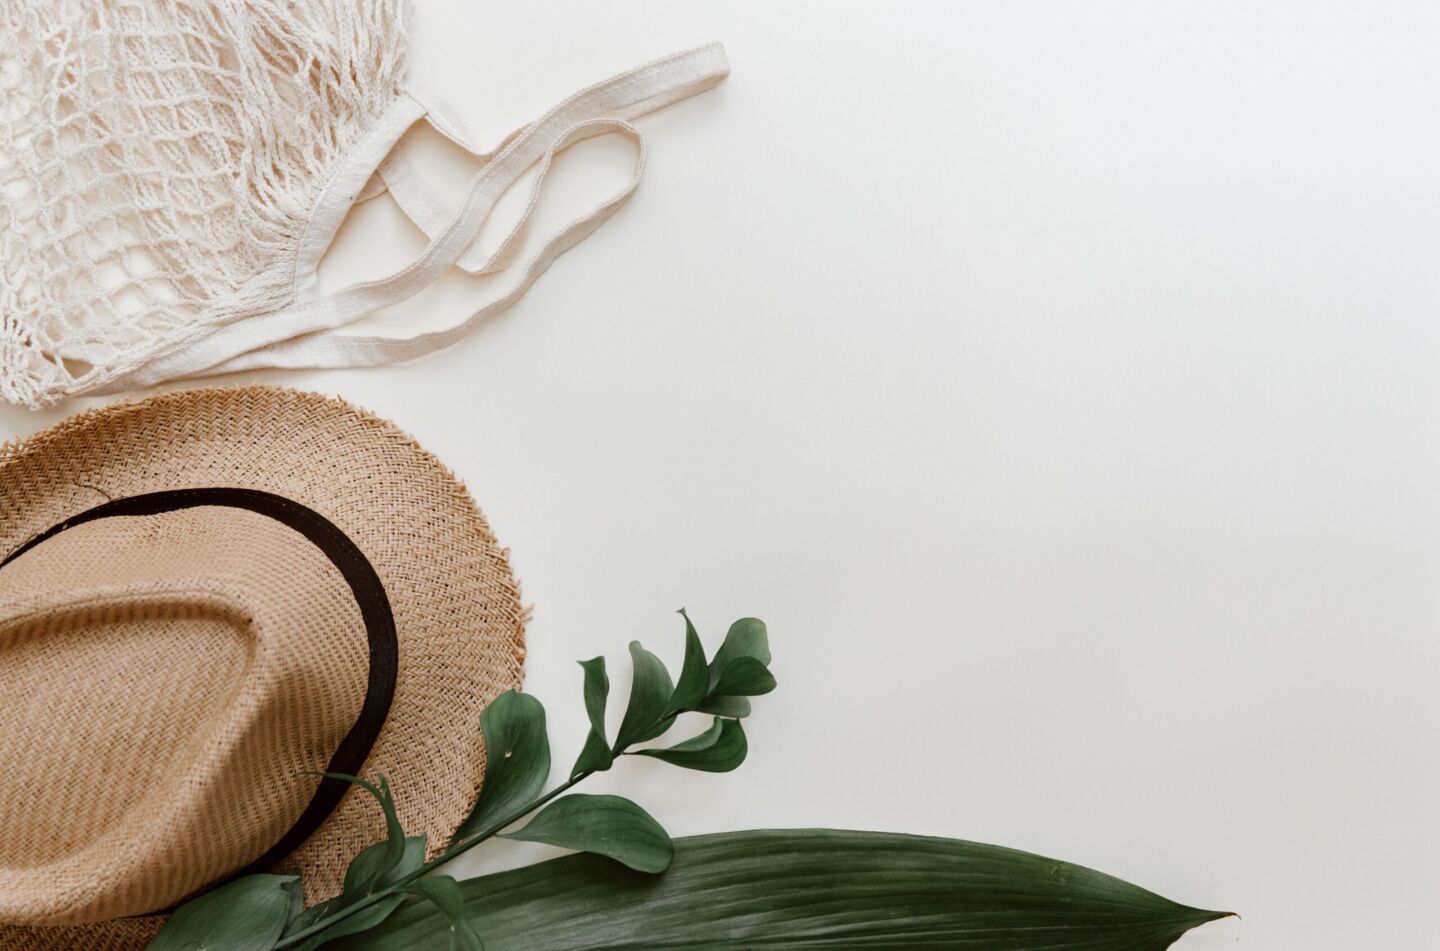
(180, 643)
(166, 681)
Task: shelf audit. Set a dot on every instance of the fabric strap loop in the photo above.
(299, 336)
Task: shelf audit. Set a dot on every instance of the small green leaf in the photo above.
(387, 854)
(296, 908)
(367, 874)
(744, 677)
(517, 761)
(605, 825)
(694, 676)
(734, 707)
(443, 892)
(718, 750)
(747, 637)
(649, 700)
(701, 742)
(596, 755)
(597, 692)
(247, 914)
(361, 880)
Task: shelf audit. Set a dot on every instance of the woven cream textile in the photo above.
(172, 171)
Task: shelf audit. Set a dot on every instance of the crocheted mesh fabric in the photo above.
(159, 160)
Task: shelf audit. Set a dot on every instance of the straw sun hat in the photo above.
(203, 596)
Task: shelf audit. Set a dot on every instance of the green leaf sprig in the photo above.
(266, 913)
(792, 887)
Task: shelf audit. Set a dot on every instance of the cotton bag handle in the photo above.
(296, 337)
(415, 199)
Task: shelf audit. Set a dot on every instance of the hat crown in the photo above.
(456, 622)
(166, 681)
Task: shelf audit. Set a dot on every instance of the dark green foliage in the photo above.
(792, 889)
(808, 888)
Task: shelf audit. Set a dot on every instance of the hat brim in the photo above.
(458, 615)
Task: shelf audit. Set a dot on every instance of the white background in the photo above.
(1061, 386)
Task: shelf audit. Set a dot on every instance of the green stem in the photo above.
(451, 853)
(454, 852)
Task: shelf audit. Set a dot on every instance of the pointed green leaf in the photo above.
(605, 825)
(362, 879)
(808, 888)
(694, 680)
(387, 854)
(517, 761)
(247, 914)
(747, 637)
(443, 892)
(649, 700)
(718, 750)
(734, 707)
(597, 692)
(595, 756)
(367, 872)
(296, 906)
(744, 677)
(702, 741)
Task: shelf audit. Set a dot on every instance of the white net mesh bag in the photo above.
(160, 159)
(171, 172)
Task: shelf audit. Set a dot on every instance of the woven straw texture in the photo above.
(456, 606)
(190, 653)
(159, 163)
